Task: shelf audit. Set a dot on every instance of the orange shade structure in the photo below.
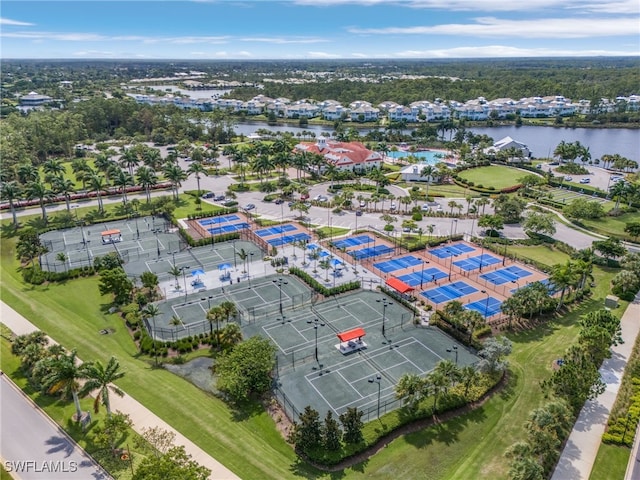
(351, 334)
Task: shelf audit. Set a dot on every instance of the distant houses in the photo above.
(359, 111)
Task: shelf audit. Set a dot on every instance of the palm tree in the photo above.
(452, 204)
(147, 178)
(27, 173)
(428, 171)
(436, 383)
(468, 376)
(11, 191)
(215, 314)
(197, 169)
(563, 276)
(65, 187)
(410, 388)
(105, 165)
(62, 258)
(231, 335)
(241, 158)
(151, 158)
(123, 179)
(229, 309)
(64, 377)
(98, 185)
(129, 160)
(618, 191)
(100, 377)
(151, 310)
(449, 370)
(39, 190)
(483, 202)
(175, 174)
(175, 272)
(52, 169)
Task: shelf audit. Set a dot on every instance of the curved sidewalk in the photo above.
(579, 454)
(140, 415)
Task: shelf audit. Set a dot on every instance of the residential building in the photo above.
(346, 156)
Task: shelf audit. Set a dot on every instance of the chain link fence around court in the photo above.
(266, 312)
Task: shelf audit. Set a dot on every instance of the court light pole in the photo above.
(385, 304)
(248, 268)
(453, 220)
(422, 273)
(184, 278)
(451, 262)
(316, 323)
(279, 282)
(377, 380)
(173, 254)
(454, 348)
(486, 304)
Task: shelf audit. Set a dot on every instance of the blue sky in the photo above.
(318, 29)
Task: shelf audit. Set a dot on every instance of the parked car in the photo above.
(209, 195)
(304, 196)
(425, 207)
(218, 198)
(279, 201)
(406, 229)
(568, 178)
(393, 206)
(585, 180)
(362, 204)
(358, 213)
(250, 206)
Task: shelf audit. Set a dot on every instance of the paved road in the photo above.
(33, 447)
(141, 416)
(579, 454)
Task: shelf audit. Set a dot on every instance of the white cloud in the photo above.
(621, 6)
(322, 55)
(490, 51)
(536, 28)
(8, 21)
(283, 41)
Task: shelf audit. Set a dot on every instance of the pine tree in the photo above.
(352, 423)
(331, 433)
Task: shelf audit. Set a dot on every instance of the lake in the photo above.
(540, 140)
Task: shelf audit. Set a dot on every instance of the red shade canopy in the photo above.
(399, 285)
(351, 334)
(110, 232)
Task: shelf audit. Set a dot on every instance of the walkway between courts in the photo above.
(579, 454)
(142, 417)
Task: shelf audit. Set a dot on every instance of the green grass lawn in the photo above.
(327, 232)
(451, 191)
(497, 176)
(73, 313)
(468, 447)
(611, 462)
(544, 254)
(612, 226)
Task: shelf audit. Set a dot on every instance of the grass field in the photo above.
(494, 176)
(612, 226)
(544, 254)
(611, 462)
(468, 447)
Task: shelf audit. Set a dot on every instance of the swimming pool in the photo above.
(430, 157)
